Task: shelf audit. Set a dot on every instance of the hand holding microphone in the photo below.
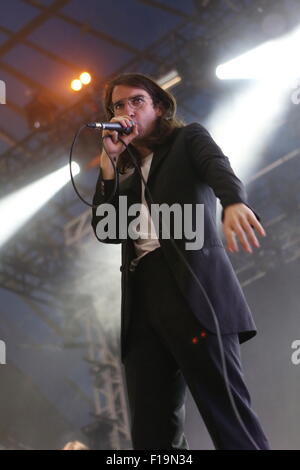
(111, 143)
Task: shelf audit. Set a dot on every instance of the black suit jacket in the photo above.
(189, 169)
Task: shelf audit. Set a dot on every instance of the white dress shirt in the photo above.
(148, 240)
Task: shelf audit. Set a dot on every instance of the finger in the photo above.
(231, 240)
(115, 137)
(250, 233)
(130, 122)
(118, 118)
(255, 223)
(127, 118)
(242, 237)
(107, 142)
(125, 121)
(133, 134)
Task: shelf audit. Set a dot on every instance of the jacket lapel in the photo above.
(158, 157)
(134, 181)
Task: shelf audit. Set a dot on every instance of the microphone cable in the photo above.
(116, 179)
(185, 262)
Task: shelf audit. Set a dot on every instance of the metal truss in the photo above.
(110, 416)
(280, 210)
(214, 28)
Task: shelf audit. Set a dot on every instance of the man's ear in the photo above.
(159, 109)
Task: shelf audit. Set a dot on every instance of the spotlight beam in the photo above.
(17, 208)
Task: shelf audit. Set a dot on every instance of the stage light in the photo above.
(274, 60)
(17, 208)
(243, 123)
(85, 78)
(169, 80)
(76, 84)
(253, 114)
(75, 169)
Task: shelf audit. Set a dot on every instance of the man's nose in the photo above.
(128, 110)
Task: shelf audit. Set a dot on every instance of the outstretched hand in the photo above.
(238, 219)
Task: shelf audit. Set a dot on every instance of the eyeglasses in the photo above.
(135, 102)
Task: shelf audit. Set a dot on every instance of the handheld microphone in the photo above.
(111, 126)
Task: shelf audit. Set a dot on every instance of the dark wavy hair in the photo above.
(165, 124)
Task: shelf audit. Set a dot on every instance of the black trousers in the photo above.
(169, 350)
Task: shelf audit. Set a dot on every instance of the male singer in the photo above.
(168, 335)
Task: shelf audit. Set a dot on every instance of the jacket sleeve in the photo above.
(214, 168)
(104, 189)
